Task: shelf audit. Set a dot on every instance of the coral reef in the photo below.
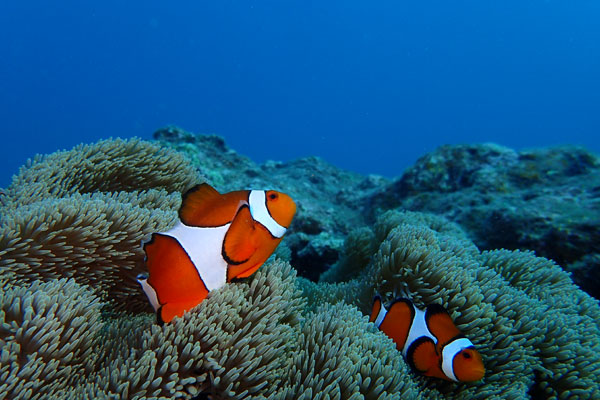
(74, 325)
(546, 200)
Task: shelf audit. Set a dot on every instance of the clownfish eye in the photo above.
(272, 196)
(466, 355)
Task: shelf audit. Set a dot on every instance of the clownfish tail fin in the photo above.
(378, 310)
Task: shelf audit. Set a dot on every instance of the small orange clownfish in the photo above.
(219, 237)
(429, 341)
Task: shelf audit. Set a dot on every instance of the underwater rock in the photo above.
(546, 200)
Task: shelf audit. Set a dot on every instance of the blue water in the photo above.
(369, 86)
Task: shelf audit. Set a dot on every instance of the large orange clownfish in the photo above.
(218, 237)
(429, 340)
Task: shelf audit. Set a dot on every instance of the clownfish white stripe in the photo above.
(211, 266)
(260, 213)
(449, 352)
(418, 328)
(380, 316)
(149, 290)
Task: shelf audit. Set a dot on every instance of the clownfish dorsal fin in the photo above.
(200, 206)
(440, 324)
(240, 240)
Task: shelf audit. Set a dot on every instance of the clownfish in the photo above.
(219, 237)
(429, 341)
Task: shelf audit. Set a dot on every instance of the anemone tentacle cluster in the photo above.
(73, 323)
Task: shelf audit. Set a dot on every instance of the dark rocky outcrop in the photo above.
(545, 200)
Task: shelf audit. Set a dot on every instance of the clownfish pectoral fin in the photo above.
(240, 241)
(423, 357)
(198, 205)
(249, 271)
(440, 324)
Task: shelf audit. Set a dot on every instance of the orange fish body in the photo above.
(219, 237)
(429, 340)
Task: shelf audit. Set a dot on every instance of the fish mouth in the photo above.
(479, 373)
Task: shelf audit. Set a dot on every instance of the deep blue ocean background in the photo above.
(369, 86)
